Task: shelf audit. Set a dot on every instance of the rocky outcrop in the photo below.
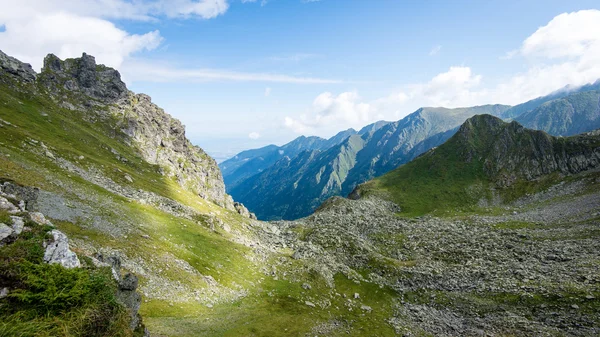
(127, 289)
(98, 91)
(243, 211)
(161, 140)
(57, 251)
(83, 75)
(509, 151)
(29, 195)
(14, 67)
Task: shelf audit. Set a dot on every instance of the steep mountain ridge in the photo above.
(487, 160)
(570, 115)
(336, 171)
(522, 108)
(251, 162)
(160, 139)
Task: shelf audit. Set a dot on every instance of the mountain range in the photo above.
(273, 191)
(112, 223)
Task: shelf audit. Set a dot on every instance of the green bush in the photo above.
(50, 300)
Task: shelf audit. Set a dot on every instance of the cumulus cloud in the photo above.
(330, 110)
(267, 92)
(119, 9)
(67, 28)
(565, 51)
(54, 33)
(254, 135)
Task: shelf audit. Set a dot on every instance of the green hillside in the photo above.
(486, 159)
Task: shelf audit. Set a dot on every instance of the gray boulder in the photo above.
(57, 251)
(17, 224)
(128, 282)
(5, 233)
(39, 218)
(28, 194)
(8, 206)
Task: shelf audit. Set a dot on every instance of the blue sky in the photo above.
(244, 74)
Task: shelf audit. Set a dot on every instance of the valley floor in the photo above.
(359, 268)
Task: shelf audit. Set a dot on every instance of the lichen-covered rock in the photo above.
(128, 282)
(39, 218)
(57, 251)
(5, 233)
(21, 70)
(28, 195)
(7, 206)
(17, 224)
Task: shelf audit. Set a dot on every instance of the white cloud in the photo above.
(139, 70)
(68, 28)
(54, 33)
(267, 92)
(435, 50)
(566, 51)
(566, 35)
(254, 135)
(329, 111)
(118, 9)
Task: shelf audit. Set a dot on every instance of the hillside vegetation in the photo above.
(486, 162)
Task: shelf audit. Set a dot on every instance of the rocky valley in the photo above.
(112, 223)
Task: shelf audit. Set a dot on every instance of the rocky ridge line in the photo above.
(98, 91)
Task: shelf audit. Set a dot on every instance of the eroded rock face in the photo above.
(509, 151)
(21, 70)
(159, 137)
(83, 75)
(29, 195)
(57, 251)
(161, 140)
(5, 233)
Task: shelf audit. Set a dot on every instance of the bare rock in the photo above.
(4, 292)
(5, 233)
(17, 68)
(57, 251)
(39, 218)
(7, 206)
(17, 224)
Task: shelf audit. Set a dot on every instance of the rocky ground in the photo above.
(531, 270)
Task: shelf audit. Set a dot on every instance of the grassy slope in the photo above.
(442, 181)
(271, 307)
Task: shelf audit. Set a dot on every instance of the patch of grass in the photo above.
(430, 184)
(5, 217)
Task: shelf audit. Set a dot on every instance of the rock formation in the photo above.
(81, 84)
